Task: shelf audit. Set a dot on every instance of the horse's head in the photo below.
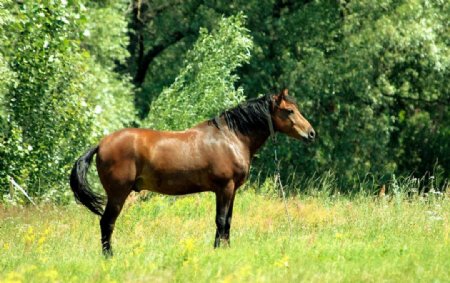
(287, 118)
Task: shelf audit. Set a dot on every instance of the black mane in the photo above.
(251, 115)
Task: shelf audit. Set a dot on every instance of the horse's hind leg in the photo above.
(112, 211)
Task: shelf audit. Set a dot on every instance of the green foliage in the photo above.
(205, 85)
(105, 33)
(43, 104)
(356, 68)
(425, 141)
(6, 75)
(62, 98)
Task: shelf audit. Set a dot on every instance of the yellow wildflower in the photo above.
(14, 276)
(283, 262)
(29, 236)
(29, 239)
(188, 244)
(339, 235)
(41, 240)
(51, 275)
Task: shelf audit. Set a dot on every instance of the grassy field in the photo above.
(166, 239)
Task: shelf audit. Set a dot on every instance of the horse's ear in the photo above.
(281, 96)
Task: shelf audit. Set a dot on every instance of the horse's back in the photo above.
(123, 144)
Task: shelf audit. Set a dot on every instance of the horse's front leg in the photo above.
(224, 211)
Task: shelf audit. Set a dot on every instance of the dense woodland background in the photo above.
(372, 77)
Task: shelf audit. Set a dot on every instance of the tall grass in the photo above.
(334, 238)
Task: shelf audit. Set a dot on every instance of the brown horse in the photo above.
(212, 156)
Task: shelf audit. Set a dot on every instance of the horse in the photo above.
(214, 156)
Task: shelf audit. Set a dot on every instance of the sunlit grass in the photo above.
(164, 239)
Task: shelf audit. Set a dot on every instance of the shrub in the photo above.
(62, 98)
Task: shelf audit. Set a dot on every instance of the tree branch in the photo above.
(136, 27)
(145, 60)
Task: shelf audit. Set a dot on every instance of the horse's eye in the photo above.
(286, 112)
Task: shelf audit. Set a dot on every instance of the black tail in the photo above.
(80, 185)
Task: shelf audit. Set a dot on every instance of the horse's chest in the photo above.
(229, 167)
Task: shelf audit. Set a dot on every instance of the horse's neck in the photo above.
(254, 140)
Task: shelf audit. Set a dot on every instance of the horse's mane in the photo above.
(247, 116)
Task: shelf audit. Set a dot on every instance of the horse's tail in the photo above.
(80, 186)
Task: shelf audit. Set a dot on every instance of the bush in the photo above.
(62, 98)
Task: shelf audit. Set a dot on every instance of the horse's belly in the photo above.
(173, 183)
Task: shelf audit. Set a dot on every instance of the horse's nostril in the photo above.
(312, 134)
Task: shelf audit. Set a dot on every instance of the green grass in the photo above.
(333, 239)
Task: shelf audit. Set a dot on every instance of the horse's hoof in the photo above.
(107, 253)
(224, 243)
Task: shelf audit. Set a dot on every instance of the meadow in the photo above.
(333, 238)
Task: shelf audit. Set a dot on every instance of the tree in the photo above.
(205, 85)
